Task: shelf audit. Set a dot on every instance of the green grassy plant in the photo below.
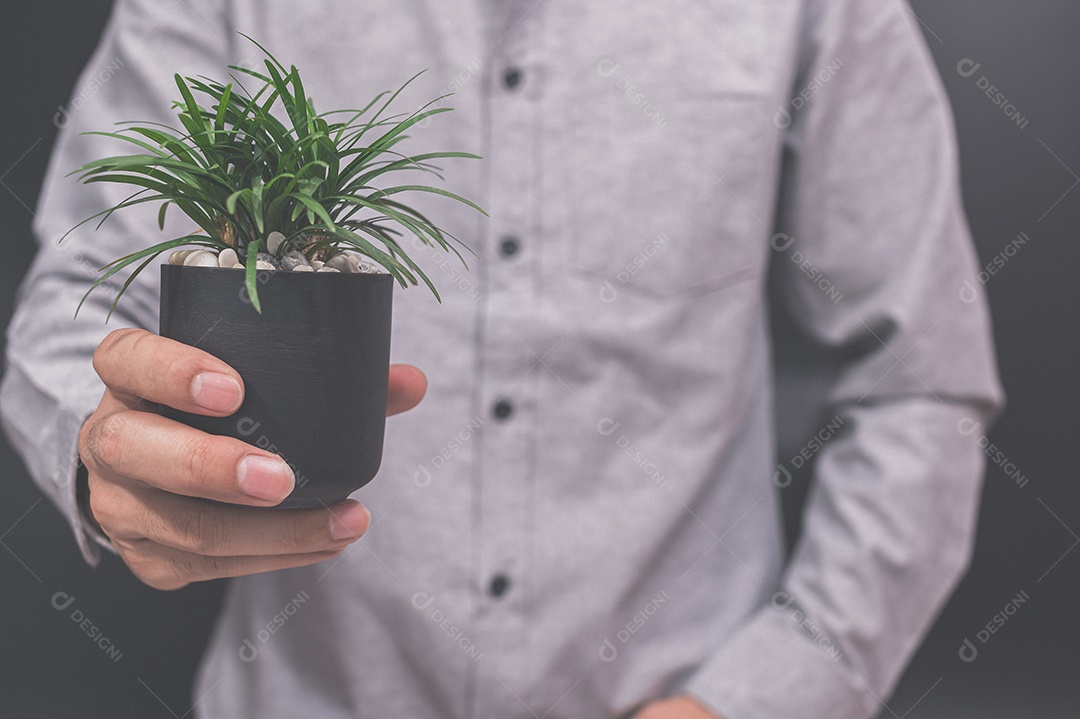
(325, 181)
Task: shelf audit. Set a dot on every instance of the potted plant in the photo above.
(291, 273)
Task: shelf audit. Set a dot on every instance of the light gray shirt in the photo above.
(651, 162)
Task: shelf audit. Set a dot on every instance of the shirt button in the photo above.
(499, 584)
(511, 77)
(509, 246)
(503, 409)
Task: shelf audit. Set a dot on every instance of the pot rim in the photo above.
(280, 273)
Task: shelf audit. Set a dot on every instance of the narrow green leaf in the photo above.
(251, 280)
(425, 188)
(223, 105)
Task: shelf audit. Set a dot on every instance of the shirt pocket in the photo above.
(668, 199)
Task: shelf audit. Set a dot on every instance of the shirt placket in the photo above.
(507, 386)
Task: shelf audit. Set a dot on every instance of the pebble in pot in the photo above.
(228, 258)
(293, 259)
(273, 242)
(342, 263)
(201, 258)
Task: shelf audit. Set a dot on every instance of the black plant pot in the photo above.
(314, 365)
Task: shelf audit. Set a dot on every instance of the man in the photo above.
(582, 519)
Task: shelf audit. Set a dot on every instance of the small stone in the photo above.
(201, 258)
(303, 268)
(273, 242)
(178, 257)
(328, 269)
(268, 258)
(342, 263)
(293, 259)
(237, 266)
(361, 265)
(227, 258)
(260, 265)
(317, 265)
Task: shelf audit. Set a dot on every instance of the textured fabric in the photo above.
(653, 161)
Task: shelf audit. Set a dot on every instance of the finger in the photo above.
(143, 365)
(148, 448)
(221, 530)
(407, 387)
(167, 568)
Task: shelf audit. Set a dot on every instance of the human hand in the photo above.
(678, 707)
(146, 473)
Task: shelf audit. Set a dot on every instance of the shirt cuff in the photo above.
(86, 517)
(88, 536)
(44, 429)
(779, 664)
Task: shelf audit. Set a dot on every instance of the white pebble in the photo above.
(317, 264)
(201, 258)
(227, 258)
(237, 266)
(260, 265)
(342, 263)
(362, 265)
(303, 268)
(177, 258)
(273, 242)
(328, 269)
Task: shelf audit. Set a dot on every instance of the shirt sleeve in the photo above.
(874, 261)
(49, 386)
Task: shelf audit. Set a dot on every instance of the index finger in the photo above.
(140, 364)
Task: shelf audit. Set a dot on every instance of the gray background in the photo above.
(1016, 180)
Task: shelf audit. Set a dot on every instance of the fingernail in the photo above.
(264, 477)
(216, 391)
(350, 522)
